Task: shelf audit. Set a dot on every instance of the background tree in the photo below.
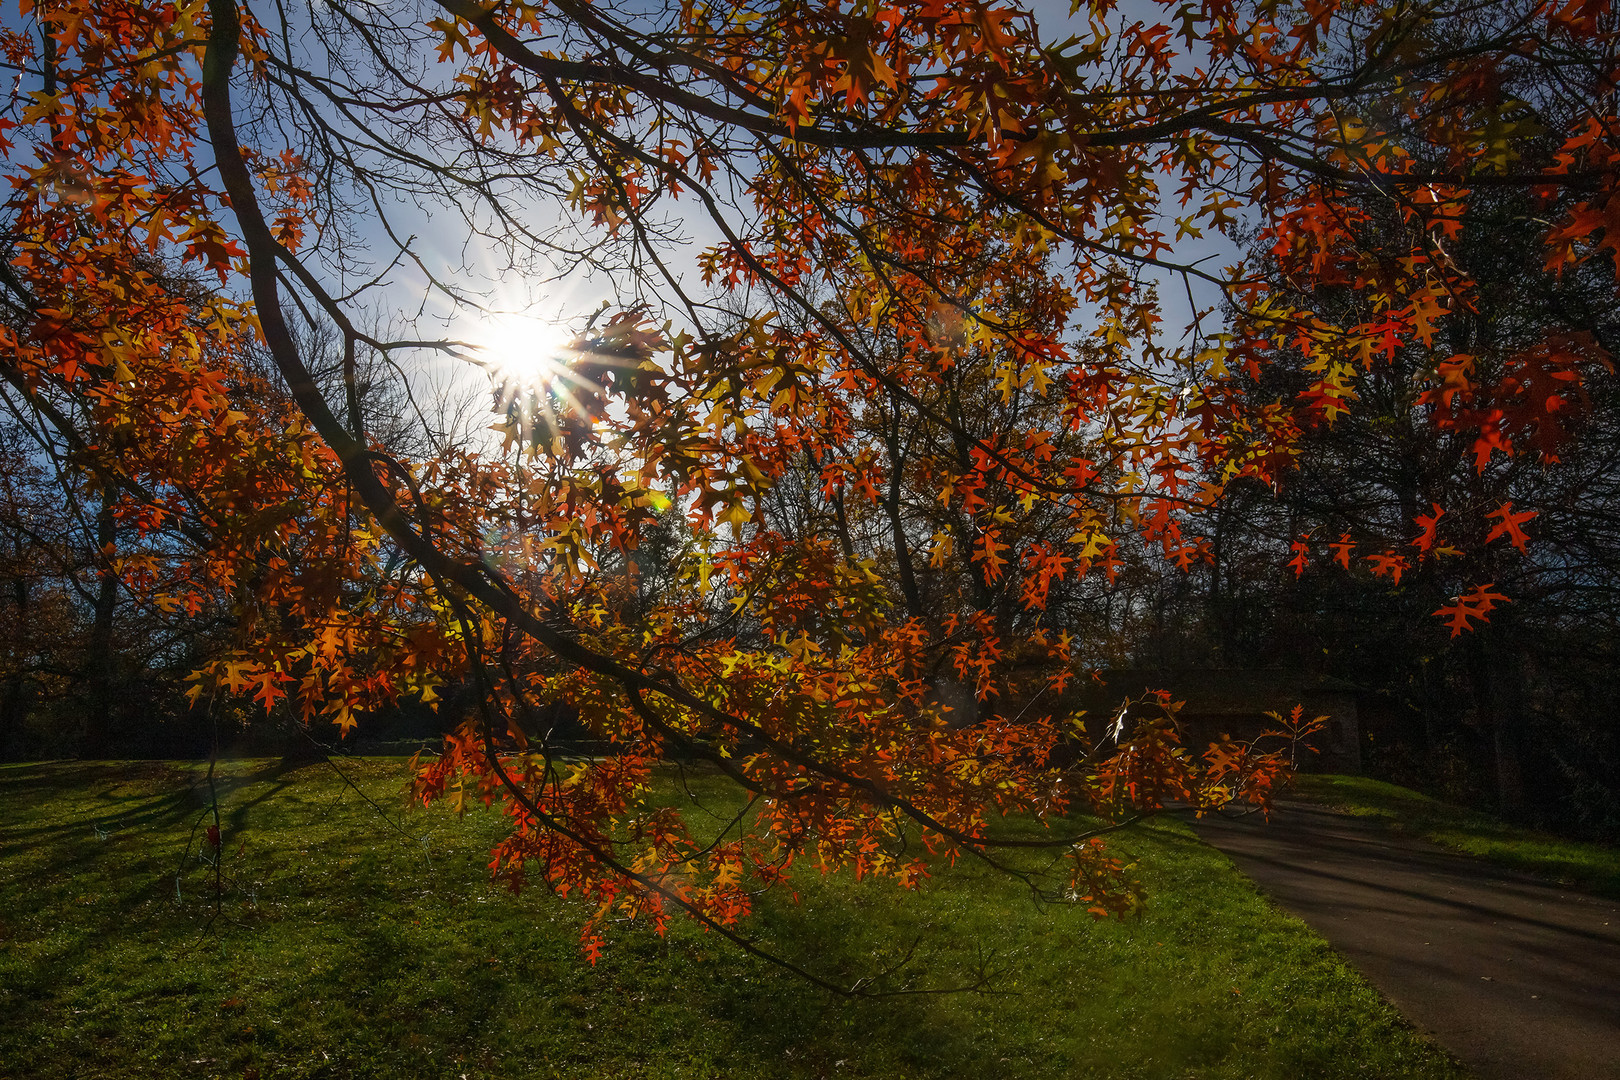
(1491, 437)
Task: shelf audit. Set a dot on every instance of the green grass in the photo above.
(344, 948)
(1595, 867)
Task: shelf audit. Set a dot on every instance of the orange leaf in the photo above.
(1475, 605)
(1343, 550)
(1301, 551)
(1509, 525)
(1425, 539)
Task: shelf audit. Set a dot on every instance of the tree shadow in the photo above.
(107, 801)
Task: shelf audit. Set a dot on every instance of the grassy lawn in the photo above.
(1594, 867)
(345, 948)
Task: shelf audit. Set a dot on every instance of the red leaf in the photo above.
(1475, 605)
(1509, 526)
(1389, 565)
(1343, 550)
(1301, 551)
(1425, 540)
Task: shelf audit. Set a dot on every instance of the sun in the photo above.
(522, 352)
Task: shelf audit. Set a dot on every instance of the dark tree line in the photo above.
(1516, 715)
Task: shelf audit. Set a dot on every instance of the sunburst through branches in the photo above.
(553, 388)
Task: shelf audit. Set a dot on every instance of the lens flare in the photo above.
(544, 386)
(524, 354)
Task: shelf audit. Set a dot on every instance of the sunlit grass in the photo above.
(345, 947)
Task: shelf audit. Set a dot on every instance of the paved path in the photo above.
(1517, 978)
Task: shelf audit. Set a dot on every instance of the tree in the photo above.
(36, 570)
(1505, 706)
(1443, 420)
(934, 284)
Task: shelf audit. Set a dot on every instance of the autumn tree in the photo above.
(1488, 440)
(937, 240)
(37, 571)
(1498, 712)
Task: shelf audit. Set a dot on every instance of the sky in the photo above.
(532, 307)
(527, 312)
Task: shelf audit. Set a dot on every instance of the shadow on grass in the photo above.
(359, 959)
(53, 804)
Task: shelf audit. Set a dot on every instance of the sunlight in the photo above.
(542, 383)
(524, 353)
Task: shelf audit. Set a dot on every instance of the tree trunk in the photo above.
(1498, 682)
(100, 669)
(891, 507)
(14, 690)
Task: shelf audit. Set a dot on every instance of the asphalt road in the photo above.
(1517, 978)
